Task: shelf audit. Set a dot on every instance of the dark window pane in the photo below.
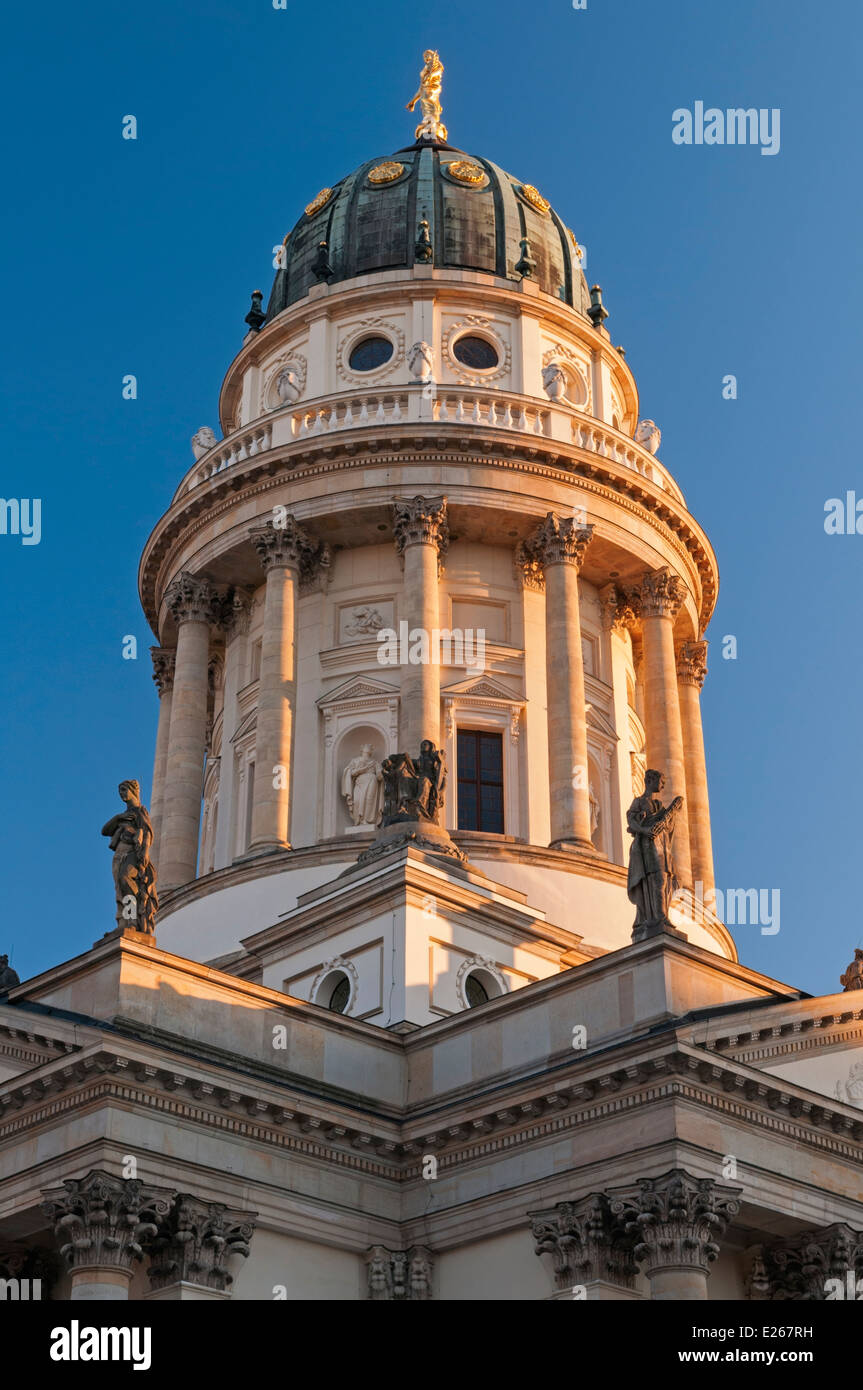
(340, 995)
(491, 755)
(476, 353)
(475, 991)
(466, 755)
(371, 353)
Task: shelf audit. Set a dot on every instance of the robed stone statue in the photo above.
(414, 787)
(651, 882)
(131, 834)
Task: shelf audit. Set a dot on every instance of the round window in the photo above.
(340, 994)
(475, 991)
(476, 353)
(370, 353)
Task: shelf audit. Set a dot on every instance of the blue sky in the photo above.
(139, 257)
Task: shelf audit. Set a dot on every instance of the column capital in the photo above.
(287, 545)
(560, 540)
(620, 608)
(102, 1221)
(658, 594)
(399, 1276)
(163, 659)
(800, 1267)
(692, 663)
(529, 572)
(196, 1242)
(192, 599)
(421, 521)
(675, 1220)
(585, 1243)
(237, 613)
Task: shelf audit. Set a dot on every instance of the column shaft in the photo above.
(661, 595)
(234, 653)
(420, 682)
(181, 810)
(569, 781)
(422, 536)
(163, 675)
(691, 669)
(276, 702)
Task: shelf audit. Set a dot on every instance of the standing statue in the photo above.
(134, 875)
(428, 96)
(8, 977)
(651, 881)
(362, 788)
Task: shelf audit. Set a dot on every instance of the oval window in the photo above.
(475, 991)
(370, 353)
(476, 353)
(340, 995)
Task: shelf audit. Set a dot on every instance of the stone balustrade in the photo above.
(387, 407)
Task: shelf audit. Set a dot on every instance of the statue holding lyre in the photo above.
(428, 96)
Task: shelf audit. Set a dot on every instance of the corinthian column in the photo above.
(192, 602)
(675, 1222)
(163, 675)
(422, 537)
(691, 670)
(589, 1253)
(558, 546)
(102, 1224)
(658, 597)
(284, 551)
(197, 1249)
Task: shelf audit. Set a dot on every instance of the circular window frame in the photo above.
(354, 337)
(326, 981)
(480, 338)
(489, 976)
(477, 376)
(373, 337)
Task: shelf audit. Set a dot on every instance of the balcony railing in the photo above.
(382, 408)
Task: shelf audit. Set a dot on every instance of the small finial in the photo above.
(423, 249)
(597, 313)
(430, 127)
(321, 268)
(255, 317)
(525, 265)
(621, 350)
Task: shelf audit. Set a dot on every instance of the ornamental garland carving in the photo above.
(353, 333)
(484, 324)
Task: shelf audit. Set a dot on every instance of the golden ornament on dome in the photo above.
(579, 250)
(320, 201)
(386, 172)
(534, 197)
(465, 171)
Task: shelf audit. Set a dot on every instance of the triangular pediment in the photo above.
(483, 688)
(597, 720)
(357, 688)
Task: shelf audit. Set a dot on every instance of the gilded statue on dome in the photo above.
(428, 96)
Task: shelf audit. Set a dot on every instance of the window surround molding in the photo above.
(484, 705)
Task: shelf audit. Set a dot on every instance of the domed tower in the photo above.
(433, 518)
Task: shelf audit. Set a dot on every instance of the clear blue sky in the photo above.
(140, 257)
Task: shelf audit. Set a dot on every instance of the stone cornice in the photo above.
(560, 1098)
(306, 459)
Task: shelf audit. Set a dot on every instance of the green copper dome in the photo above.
(478, 217)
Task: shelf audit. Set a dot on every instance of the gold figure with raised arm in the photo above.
(428, 96)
